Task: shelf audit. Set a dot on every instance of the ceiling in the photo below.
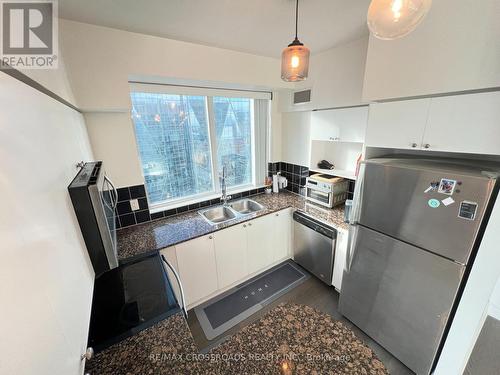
(262, 27)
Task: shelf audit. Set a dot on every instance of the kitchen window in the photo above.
(185, 136)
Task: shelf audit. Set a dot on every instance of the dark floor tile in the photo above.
(312, 293)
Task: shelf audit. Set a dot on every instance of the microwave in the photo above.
(326, 190)
(94, 199)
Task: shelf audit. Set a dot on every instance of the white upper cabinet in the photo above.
(455, 48)
(459, 123)
(397, 124)
(346, 124)
(231, 254)
(464, 123)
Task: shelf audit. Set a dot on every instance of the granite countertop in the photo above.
(289, 339)
(162, 233)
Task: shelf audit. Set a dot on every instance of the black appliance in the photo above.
(94, 199)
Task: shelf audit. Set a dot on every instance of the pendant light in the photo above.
(392, 19)
(295, 57)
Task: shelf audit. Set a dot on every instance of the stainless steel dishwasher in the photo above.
(314, 246)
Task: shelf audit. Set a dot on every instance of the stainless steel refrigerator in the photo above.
(415, 227)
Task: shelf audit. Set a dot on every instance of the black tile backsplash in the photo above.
(123, 208)
(295, 174)
(142, 216)
(123, 194)
(137, 191)
(126, 217)
(127, 220)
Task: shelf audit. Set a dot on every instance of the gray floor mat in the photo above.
(225, 311)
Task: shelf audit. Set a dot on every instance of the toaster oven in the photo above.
(326, 190)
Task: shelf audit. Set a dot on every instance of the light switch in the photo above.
(134, 204)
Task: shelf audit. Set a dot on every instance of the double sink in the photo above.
(235, 210)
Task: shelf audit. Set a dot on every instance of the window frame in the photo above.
(259, 134)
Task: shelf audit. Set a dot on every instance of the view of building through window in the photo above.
(175, 147)
(233, 123)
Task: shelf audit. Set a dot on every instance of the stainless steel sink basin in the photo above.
(246, 206)
(218, 214)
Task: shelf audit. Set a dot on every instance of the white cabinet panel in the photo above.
(281, 234)
(340, 258)
(346, 125)
(465, 123)
(197, 268)
(397, 124)
(231, 254)
(260, 243)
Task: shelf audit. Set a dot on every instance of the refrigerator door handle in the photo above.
(357, 196)
(351, 243)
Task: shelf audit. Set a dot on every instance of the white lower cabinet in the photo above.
(281, 235)
(260, 243)
(197, 268)
(214, 262)
(231, 254)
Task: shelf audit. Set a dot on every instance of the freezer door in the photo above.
(399, 295)
(400, 202)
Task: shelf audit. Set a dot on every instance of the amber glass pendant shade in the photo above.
(295, 62)
(392, 19)
(295, 57)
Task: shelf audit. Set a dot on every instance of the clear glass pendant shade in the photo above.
(392, 19)
(295, 62)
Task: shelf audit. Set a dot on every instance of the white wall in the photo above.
(113, 140)
(296, 145)
(335, 77)
(455, 48)
(475, 301)
(46, 278)
(100, 61)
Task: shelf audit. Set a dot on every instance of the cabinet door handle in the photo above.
(249, 224)
(414, 145)
(210, 237)
(427, 145)
(244, 225)
(277, 215)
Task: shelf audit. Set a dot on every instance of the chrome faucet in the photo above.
(222, 181)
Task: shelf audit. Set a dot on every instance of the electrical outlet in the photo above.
(134, 204)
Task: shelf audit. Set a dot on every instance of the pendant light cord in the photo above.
(296, 18)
